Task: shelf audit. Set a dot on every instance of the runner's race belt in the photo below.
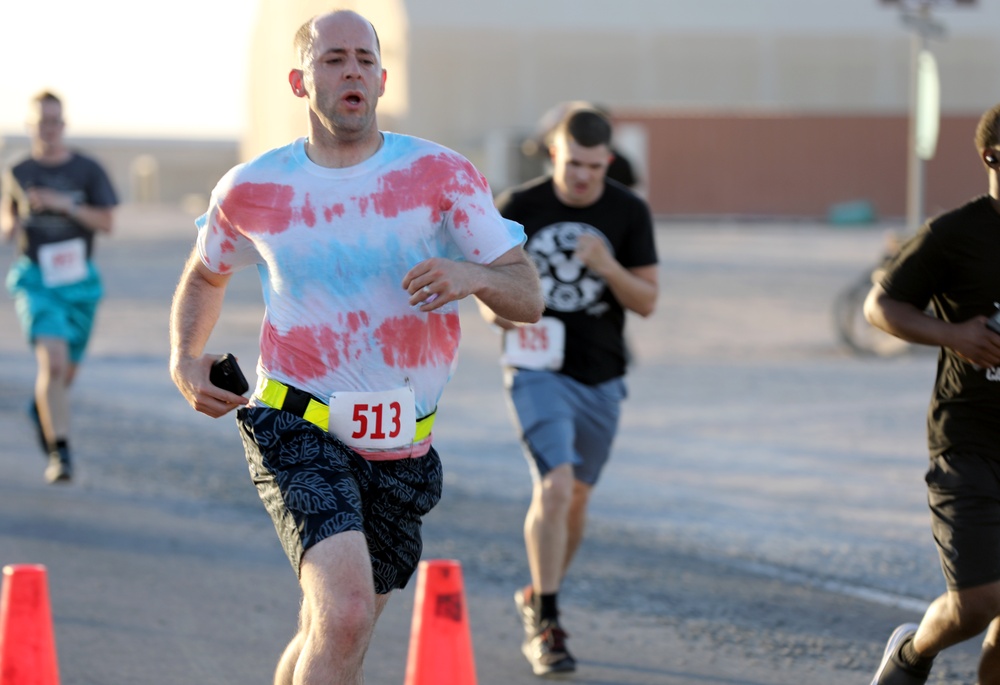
(362, 420)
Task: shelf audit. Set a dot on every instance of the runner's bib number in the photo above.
(538, 346)
(63, 263)
(374, 420)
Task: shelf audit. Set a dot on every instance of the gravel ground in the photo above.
(762, 520)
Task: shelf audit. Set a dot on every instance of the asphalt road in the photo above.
(762, 521)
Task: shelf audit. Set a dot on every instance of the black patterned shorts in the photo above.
(314, 486)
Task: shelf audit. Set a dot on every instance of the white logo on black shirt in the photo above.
(568, 285)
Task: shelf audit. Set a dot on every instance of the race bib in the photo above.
(538, 346)
(374, 420)
(63, 263)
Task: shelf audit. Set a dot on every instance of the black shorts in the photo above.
(314, 486)
(963, 491)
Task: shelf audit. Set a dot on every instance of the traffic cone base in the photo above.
(27, 641)
(440, 639)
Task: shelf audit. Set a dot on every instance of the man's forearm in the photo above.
(8, 229)
(635, 290)
(512, 291)
(9, 222)
(194, 312)
(903, 320)
(97, 219)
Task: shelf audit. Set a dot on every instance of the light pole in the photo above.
(925, 106)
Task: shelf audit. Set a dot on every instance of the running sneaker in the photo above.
(525, 601)
(546, 650)
(60, 468)
(892, 671)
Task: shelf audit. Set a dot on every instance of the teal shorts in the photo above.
(66, 312)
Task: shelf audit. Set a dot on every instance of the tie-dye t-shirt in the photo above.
(332, 247)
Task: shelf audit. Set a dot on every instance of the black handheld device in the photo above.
(226, 374)
(993, 323)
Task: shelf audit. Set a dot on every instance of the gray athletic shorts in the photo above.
(963, 491)
(315, 486)
(564, 421)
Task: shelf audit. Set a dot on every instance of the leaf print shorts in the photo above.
(314, 486)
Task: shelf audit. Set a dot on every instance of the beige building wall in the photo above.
(477, 75)
(149, 170)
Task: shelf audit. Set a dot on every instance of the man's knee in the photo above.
(555, 491)
(339, 605)
(348, 623)
(975, 608)
(53, 358)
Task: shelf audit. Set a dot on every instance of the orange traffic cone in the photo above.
(27, 642)
(440, 639)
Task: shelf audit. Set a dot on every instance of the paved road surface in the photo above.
(762, 521)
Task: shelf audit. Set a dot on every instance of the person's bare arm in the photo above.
(10, 223)
(97, 219)
(194, 312)
(971, 339)
(491, 317)
(635, 288)
(508, 285)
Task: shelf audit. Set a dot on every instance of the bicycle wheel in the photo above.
(854, 331)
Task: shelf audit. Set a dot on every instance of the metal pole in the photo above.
(915, 185)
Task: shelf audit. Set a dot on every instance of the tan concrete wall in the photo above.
(504, 81)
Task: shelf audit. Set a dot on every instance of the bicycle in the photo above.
(853, 330)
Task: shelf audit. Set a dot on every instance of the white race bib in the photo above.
(374, 420)
(538, 346)
(63, 263)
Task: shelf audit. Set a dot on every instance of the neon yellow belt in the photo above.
(277, 395)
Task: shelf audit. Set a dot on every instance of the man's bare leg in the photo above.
(337, 618)
(546, 528)
(989, 661)
(54, 376)
(576, 523)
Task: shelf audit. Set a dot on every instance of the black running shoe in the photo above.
(546, 651)
(892, 671)
(524, 599)
(60, 468)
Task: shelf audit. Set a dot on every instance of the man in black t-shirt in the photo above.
(592, 242)
(53, 204)
(538, 146)
(953, 264)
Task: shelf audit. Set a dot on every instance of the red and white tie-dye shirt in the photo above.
(332, 247)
